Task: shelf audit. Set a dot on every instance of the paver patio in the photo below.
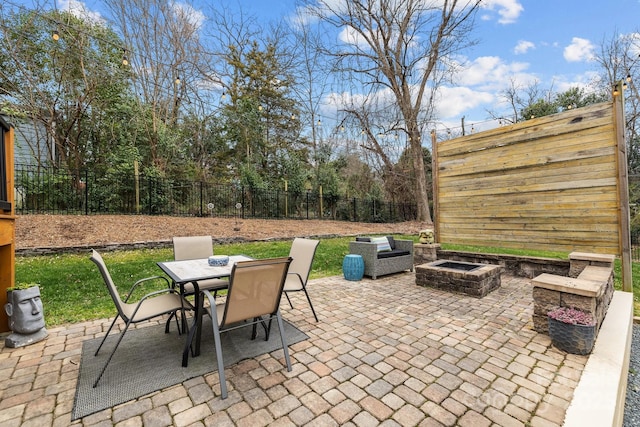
(385, 352)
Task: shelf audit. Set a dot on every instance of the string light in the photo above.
(55, 35)
(178, 80)
(125, 60)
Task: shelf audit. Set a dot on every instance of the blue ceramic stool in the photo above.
(353, 267)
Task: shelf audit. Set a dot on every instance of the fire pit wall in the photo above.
(472, 279)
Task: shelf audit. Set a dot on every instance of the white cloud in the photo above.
(489, 71)
(349, 35)
(509, 10)
(194, 17)
(562, 83)
(453, 102)
(523, 46)
(579, 50)
(80, 10)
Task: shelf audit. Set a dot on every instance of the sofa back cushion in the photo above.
(382, 243)
(392, 242)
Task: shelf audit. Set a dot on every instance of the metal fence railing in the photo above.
(43, 190)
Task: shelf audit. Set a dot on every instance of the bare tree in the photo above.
(163, 47)
(619, 59)
(399, 45)
(312, 76)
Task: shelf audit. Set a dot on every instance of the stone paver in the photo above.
(385, 352)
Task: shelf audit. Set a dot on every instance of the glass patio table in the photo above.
(192, 271)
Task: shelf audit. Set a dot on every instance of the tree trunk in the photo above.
(421, 195)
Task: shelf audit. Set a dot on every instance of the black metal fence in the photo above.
(42, 190)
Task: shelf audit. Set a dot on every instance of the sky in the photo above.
(551, 42)
(548, 42)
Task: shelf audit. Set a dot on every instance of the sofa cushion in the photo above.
(392, 242)
(382, 243)
(393, 253)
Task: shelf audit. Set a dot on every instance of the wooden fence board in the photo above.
(548, 183)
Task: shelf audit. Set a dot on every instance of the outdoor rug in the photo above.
(148, 360)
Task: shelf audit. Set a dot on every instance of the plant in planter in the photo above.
(572, 330)
(26, 315)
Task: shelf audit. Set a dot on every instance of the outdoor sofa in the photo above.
(379, 259)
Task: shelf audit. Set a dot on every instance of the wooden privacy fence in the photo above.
(556, 183)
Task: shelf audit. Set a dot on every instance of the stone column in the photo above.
(425, 252)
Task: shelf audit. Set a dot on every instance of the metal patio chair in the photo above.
(255, 290)
(302, 252)
(151, 305)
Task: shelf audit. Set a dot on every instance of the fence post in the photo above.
(243, 201)
(201, 199)
(86, 192)
(136, 185)
(355, 212)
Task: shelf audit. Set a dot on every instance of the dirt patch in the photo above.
(55, 231)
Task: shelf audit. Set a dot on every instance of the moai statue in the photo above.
(26, 317)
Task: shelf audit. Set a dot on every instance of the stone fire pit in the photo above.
(469, 278)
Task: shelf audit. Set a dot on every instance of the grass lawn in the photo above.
(72, 289)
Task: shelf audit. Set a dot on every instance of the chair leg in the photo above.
(218, 346)
(107, 334)
(304, 288)
(189, 344)
(285, 347)
(104, 368)
(267, 328)
(287, 295)
(168, 324)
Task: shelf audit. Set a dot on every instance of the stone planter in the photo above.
(574, 339)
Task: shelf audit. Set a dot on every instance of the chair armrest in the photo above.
(367, 250)
(146, 279)
(405, 245)
(154, 293)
